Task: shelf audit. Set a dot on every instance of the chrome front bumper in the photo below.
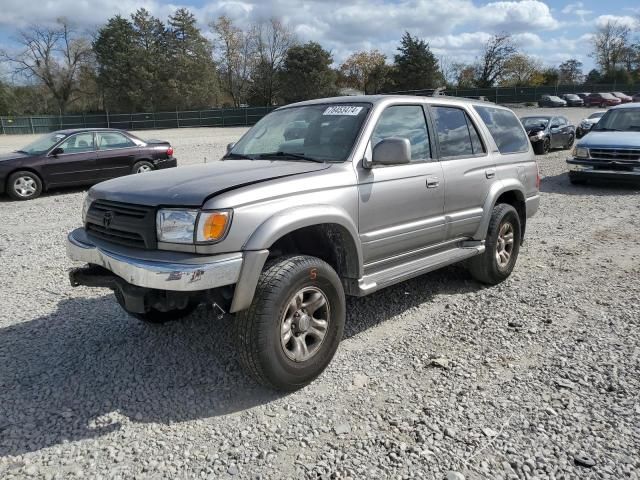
(589, 169)
(160, 270)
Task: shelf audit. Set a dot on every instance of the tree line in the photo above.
(142, 63)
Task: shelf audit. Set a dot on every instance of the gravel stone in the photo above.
(88, 392)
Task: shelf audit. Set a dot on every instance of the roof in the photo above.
(69, 131)
(626, 105)
(376, 99)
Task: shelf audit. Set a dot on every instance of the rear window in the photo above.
(505, 128)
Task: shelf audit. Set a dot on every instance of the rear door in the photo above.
(469, 171)
(401, 206)
(116, 154)
(75, 164)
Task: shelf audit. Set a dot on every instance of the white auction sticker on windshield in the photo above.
(343, 110)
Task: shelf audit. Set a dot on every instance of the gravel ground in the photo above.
(438, 377)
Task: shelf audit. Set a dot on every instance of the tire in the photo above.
(142, 166)
(282, 296)
(543, 147)
(575, 180)
(579, 134)
(157, 316)
(24, 185)
(485, 267)
(569, 143)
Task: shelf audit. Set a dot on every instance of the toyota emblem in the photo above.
(106, 219)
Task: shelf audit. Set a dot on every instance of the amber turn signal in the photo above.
(214, 225)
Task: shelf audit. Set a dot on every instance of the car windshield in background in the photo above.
(323, 132)
(42, 144)
(608, 96)
(532, 122)
(621, 120)
(571, 96)
(596, 115)
(555, 99)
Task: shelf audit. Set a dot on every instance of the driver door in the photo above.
(401, 207)
(75, 164)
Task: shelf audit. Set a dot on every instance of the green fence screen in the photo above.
(218, 117)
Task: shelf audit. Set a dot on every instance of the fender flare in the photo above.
(497, 189)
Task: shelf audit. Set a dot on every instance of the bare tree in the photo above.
(236, 58)
(54, 57)
(272, 40)
(610, 44)
(491, 66)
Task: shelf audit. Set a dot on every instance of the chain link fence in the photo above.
(219, 117)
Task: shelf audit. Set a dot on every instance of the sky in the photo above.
(551, 30)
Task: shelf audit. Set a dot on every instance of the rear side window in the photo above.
(457, 136)
(505, 129)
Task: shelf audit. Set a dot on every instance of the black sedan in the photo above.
(546, 133)
(79, 157)
(573, 100)
(551, 101)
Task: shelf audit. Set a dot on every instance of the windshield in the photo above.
(596, 115)
(554, 98)
(623, 120)
(607, 95)
(42, 144)
(323, 132)
(532, 122)
(572, 97)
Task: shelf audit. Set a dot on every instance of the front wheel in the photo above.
(24, 185)
(292, 329)
(569, 143)
(502, 245)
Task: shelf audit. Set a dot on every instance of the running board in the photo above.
(399, 273)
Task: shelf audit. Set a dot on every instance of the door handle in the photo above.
(490, 173)
(433, 182)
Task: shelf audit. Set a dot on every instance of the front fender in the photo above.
(497, 189)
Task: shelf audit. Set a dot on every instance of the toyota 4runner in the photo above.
(320, 199)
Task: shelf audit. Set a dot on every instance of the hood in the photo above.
(190, 186)
(590, 121)
(597, 139)
(12, 156)
(532, 130)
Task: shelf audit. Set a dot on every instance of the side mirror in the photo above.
(57, 151)
(392, 151)
(230, 146)
(554, 126)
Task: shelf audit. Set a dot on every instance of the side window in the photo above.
(82, 142)
(505, 128)
(457, 136)
(404, 121)
(562, 121)
(107, 140)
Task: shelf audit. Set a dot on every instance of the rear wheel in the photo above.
(142, 167)
(24, 185)
(292, 329)
(502, 245)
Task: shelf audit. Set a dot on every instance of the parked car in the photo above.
(586, 124)
(573, 100)
(279, 231)
(547, 132)
(551, 101)
(612, 149)
(601, 100)
(79, 157)
(624, 98)
(583, 95)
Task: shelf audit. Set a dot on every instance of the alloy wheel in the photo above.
(304, 324)
(504, 245)
(25, 186)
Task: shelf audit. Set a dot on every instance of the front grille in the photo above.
(616, 154)
(122, 223)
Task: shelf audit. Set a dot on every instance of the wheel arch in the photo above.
(510, 192)
(26, 169)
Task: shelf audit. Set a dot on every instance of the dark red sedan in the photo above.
(624, 98)
(79, 157)
(601, 100)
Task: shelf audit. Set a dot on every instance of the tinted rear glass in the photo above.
(505, 129)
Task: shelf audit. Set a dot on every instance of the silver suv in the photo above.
(320, 199)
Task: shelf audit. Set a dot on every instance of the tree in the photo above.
(550, 76)
(496, 53)
(415, 65)
(306, 73)
(571, 72)
(236, 58)
(593, 77)
(520, 69)
(364, 71)
(192, 77)
(610, 43)
(272, 42)
(463, 75)
(52, 56)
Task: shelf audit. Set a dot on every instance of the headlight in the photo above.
(192, 226)
(581, 152)
(176, 226)
(85, 207)
(537, 135)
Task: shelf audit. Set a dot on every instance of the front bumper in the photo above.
(586, 170)
(161, 270)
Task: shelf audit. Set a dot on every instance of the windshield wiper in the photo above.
(287, 155)
(238, 156)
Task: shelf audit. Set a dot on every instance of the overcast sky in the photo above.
(553, 30)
